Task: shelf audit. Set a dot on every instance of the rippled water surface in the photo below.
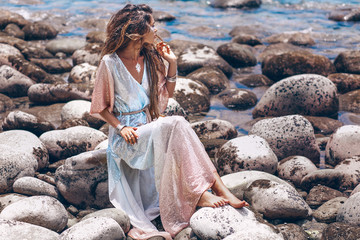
(272, 17)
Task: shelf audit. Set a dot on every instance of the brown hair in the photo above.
(130, 24)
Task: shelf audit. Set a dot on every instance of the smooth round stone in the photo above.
(293, 63)
(186, 234)
(340, 230)
(6, 104)
(344, 14)
(8, 17)
(348, 62)
(13, 83)
(6, 51)
(192, 96)
(53, 65)
(178, 46)
(237, 55)
(54, 93)
(196, 57)
(294, 168)
(254, 234)
(278, 49)
(83, 73)
(236, 3)
(73, 123)
(350, 211)
(28, 122)
(89, 54)
(93, 229)
(238, 99)
(174, 108)
(345, 82)
(71, 141)
(15, 230)
(327, 177)
(103, 145)
(288, 136)
(292, 231)
(328, 211)
(14, 30)
(117, 214)
(254, 80)
(356, 190)
(75, 109)
(14, 164)
(39, 31)
(343, 144)
(275, 200)
(246, 153)
(321, 194)
(214, 129)
(350, 101)
(50, 113)
(297, 38)
(247, 39)
(9, 198)
(306, 94)
(43, 211)
(350, 167)
(213, 78)
(82, 180)
(95, 37)
(238, 182)
(34, 186)
(65, 45)
(218, 223)
(324, 125)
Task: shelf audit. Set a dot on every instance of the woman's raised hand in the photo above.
(129, 134)
(165, 51)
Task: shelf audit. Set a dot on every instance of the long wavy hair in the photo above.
(131, 24)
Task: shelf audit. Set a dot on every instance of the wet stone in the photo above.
(237, 55)
(321, 194)
(163, 16)
(298, 38)
(236, 3)
(254, 80)
(247, 39)
(324, 125)
(278, 49)
(238, 99)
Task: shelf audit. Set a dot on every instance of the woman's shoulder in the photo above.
(109, 58)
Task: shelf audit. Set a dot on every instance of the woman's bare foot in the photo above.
(210, 200)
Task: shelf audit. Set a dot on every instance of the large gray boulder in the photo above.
(82, 179)
(13, 83)
(219, 223)
(34, 186)
(15, 230)
(43, 211)
(306, 94)
(246, 153)
(24, 141)
(350, 211)
(288, 136)
(14, 164)
(275, 200)
(343, 144)
(71, 141)
(93, 229)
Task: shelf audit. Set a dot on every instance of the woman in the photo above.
(157, 165)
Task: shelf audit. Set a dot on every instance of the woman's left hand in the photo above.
(166, 52)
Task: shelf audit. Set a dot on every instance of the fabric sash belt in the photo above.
(145, 109)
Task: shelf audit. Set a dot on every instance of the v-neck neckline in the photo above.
(142, 78)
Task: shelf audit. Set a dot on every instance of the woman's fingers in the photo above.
(129, 134)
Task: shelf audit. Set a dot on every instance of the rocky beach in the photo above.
(272, 89)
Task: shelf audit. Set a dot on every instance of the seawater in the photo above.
(274, 16)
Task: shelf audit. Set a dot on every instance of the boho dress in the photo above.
(166, 171)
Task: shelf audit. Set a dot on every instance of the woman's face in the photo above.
(150, 36)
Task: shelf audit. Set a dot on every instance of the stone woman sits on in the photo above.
(157, 165)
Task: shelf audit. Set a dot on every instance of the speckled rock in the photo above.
(26, 121)
(15, 230)
(314, 229)
(350, 211)
(75, 109)
(297, 62)
(9, 198)
(348, 62)
(14, 164)
(297, 38)
(13, 83)
(174, 108)
(34, 186)
(186, 234)
(341, 231)
(343, 144)
(237, 55)
(350, 167)
(39, 31)
(90, 54)
(6, 103)
(328, 211)
(288, 136)
(350, 101)
(247, 39)
(83, 73)
(214, 129)
(238, 99)
(192, 96)
(6, 51)
(275, 200)
(238, 182)
(294, 168)
(236, 3)
(254, 80)
(324, 125)
(196, 57)
(218, 223)
(278, 49)
(71, 141)
(65, 45)
(82, 180)
(212, 77)
(306, 94)
(93, 229)
(245, 153)
(52, 65)
(50, 93)
(43, 211)
(117, 214)
(321, 194)
(345, 82)
(291, 231)
(327, 177)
